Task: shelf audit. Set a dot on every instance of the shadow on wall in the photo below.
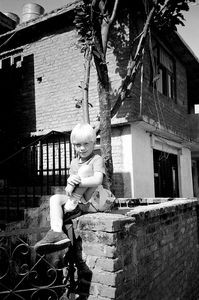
(121, 39)
(26, 106)
(122, 184)
(197, 213)
(17, 115)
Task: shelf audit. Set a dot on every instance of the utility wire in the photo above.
(4, 43)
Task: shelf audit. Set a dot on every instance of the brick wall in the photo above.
(52, 71)
(154, 256)
(172, 114)
(167, 250)
(148, 252)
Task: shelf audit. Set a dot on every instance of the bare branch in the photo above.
(114, 12)
(133, 67)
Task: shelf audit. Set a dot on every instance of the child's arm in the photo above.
(92, 181)
(86, 182)
(72, 181)
(86, 178)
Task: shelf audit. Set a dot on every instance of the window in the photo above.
(165, 68)
(165, 174)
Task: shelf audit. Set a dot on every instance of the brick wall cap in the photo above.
(143, 212)
(108, 222)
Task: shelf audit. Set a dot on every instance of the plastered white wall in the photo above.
(142, 160)
(185, 174)
(127, 163)
(143, 144)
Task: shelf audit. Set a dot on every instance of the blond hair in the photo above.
(82, 132)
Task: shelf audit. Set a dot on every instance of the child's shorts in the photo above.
(102, 200)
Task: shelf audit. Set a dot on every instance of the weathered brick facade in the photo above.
(53, 68)
(153, 253)
(172, 114)
(49, 81)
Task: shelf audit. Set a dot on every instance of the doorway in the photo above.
(165, 174)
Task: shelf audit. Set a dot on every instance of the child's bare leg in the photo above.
(56, 212)
(54, 237)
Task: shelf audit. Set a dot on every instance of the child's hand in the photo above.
(74, 179)
(69, 189)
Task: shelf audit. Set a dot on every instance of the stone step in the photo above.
(38, 216)
(19, 201)
(14, 207)
(34, 211)
(12, 215)
(11, 190)
(27, 217)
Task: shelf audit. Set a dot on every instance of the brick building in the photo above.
(154, 137)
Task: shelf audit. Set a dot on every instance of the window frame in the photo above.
(168, 77)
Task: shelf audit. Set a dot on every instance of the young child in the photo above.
(86, 187)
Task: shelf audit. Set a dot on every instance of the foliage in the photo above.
(83, 23)
(91, 16)
(169, 13)
(93, 20)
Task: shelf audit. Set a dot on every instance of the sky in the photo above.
(16, 6)
(189, 32)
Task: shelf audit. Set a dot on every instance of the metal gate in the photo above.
(31, 172)
(26, 275)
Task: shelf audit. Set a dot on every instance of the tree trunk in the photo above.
(85, 87)
(105, 130)
(102, 20)
(105, 116)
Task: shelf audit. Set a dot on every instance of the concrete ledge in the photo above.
(152, 210)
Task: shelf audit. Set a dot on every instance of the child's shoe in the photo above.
(52, 240)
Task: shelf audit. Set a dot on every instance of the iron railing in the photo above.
(27, 275)
(31, 172)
